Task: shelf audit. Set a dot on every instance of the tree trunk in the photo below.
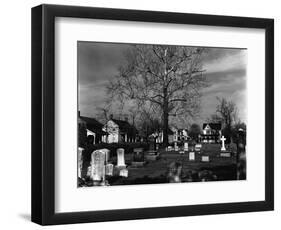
(165, 127)
(165, 119)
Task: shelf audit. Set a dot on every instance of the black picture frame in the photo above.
(43, 114)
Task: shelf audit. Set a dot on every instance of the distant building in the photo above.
(211, 133)
(160, 136)
(94, 129)
(120, 131)
(180, 135)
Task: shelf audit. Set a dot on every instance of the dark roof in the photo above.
(125, 126)
(93, 125)
(215, 126)
(92, 121)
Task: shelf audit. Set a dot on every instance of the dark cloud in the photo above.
(215, 54)
(99, 61)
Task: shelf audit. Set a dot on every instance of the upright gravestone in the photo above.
(121, 158)
(176, 146)
(107, 154)
(198, 147)
(186, 146)
(152, 153)
(152, 145)
(192, 156)
(138, 157)
(98, 165)
(223, 139)
(109, 169)
(80, 162)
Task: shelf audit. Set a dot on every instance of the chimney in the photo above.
(78, 113)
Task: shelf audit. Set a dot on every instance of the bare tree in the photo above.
(148, 123)
(167, 78)
(227, 111)
(103, 113)
(215, 118)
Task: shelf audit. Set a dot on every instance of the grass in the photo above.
(218, 168)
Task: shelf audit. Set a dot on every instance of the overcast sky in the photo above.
(225, 71)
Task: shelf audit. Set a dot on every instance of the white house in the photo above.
(211, 133)
(119, 131)
(160, 137)
(179, 134)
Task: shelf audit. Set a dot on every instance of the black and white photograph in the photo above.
(142, 114)
(152, 113)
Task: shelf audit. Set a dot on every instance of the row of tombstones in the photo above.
(100, 165)
(197, 148)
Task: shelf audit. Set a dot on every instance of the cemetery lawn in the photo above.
(153, 172)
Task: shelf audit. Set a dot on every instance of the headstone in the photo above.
(223, 139)
(98, 165)
(89, 171)
(80, 161)
(107, 154)
(123, 173)
(205, 159)
(138, 157)
(225, 154)
(192, 156)
(109, 169)
(198, 147)
(120, 158)
(185, 146)
(170, 148)
(152, 152)
(152, 145)
(176, 146)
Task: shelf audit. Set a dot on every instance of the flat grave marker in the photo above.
(205, 159)
(225, 154)
(170, 148)
(123, 173)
